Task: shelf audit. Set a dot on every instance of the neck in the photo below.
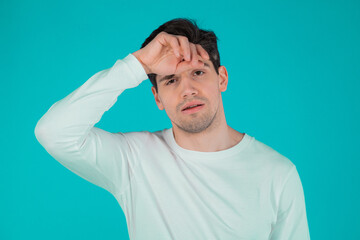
(218, 136)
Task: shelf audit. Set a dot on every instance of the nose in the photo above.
(188, 88)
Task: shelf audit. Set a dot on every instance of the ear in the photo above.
(223, 78)
(157, 99)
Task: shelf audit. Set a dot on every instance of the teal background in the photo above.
(293, 84)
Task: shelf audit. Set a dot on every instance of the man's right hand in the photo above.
(166, 54)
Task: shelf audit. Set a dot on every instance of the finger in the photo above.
(203, 53)
(200, 60)
(194, 55)
(174, 43)
(185, 47)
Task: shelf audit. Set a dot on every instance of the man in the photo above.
(200, 179)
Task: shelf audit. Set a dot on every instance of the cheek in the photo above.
(213, 93)
(214, 98)
(168, 104)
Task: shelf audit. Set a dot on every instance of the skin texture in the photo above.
(205, 130)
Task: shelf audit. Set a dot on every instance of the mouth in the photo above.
(193, 109)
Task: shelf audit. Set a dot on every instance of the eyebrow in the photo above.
(173, 75)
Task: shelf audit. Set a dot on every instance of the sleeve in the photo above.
(291, 223)
(67, 131)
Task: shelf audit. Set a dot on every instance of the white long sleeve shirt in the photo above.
(249, 191)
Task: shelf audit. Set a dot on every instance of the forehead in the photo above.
(160, 78)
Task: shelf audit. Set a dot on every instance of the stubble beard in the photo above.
(197, 123)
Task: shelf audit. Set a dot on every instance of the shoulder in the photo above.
(142, 138)
(142, 143)
(269, 159)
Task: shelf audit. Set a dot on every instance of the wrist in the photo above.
(146, 68)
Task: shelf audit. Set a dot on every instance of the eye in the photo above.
(199, 72)
(170, 81)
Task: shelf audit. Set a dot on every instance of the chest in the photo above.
(230, 200)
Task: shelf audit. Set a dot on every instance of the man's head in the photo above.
(194, 85)
(188, 28)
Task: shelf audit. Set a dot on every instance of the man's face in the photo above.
(192, 86)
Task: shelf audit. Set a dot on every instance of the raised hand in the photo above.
(168, 54)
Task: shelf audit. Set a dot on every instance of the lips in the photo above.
(190, 104)
(193, 110)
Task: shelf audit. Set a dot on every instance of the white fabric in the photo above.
(248, 191)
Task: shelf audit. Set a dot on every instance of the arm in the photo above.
(68, 134)
(67, 130)
(291, 221)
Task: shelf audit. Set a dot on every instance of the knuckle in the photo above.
(183, 38)
(161, 34)
(172, 40)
